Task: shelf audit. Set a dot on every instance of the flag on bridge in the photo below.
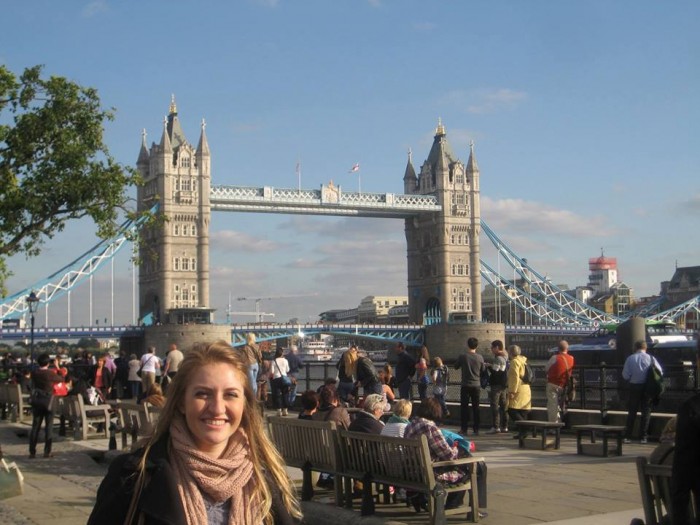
(356, 167)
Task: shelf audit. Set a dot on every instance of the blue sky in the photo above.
(584, 117)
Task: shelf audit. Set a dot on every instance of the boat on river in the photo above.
(315, 351)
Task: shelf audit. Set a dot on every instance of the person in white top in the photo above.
(149, 364)
(280, 382)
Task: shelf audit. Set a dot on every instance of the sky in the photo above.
(584, 117)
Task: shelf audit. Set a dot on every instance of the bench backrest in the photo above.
(304, 443)
(133, 416)
(391, 460)
(655, 486)
(16, 398)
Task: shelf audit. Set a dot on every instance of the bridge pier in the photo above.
(449, 340)
(183, 335)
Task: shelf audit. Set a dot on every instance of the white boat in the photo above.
(315, 352)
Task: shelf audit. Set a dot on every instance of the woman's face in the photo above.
(213, 406)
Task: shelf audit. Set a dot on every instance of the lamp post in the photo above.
(32, 303)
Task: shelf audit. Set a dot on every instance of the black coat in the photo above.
(160, 501)
(366, 422)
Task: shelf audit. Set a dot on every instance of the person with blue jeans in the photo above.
(405, 368)
(254, 357)
(295, 365)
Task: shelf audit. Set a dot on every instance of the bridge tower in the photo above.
(444, 277)
(174, 259)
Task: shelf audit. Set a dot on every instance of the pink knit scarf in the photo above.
(228, 477)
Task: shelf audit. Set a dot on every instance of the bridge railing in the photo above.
(599, 388)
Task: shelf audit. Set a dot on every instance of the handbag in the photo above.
(40, 399)
(286, 380)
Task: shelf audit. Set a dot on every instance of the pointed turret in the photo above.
(203, 146)
(410, 181)
(441, 150)
(177, 136)
(165, 146)
(472, 166)
(143, 154)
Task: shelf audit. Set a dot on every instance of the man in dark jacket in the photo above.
(43, 380)
(368, 420)
(472, 365)
(367, 376)
(405, 368)
(498, 381)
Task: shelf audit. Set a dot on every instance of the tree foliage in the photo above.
(54, 165)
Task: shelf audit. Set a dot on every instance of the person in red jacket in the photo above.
(559, 369)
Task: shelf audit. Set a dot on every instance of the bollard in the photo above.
(112, 437)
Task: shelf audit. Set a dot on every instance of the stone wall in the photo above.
(184, 336)
(449, 340)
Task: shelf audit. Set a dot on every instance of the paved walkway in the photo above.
(524, 486)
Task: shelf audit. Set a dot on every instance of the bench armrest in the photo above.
(456, 462)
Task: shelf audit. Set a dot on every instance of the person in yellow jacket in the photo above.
(519, 394)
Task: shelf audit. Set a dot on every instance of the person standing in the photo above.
(559, 368)
(498, 379)
(43, 380)
(172, 361)
(440, 376)
(519, 393)
(405, 368)
(121, 378)
(102, 379)
(280, 386)
(422, 372)
(473, 366)
(685, 476)
(134, 379)
(295, 365)
(254, 357)
(635, 371)
(149, 364)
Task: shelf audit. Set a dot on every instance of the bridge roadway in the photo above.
(524, 486)
(389, 333)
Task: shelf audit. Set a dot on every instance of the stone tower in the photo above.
(174, 257)
(444, 274)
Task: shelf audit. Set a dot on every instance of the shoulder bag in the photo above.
(570, 388)
(286, 380)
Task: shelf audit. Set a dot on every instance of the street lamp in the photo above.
(32, 303)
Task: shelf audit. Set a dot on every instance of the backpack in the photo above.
(654, 385)
(528, 376)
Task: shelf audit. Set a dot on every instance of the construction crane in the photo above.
(258, 314)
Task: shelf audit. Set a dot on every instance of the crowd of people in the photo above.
(209, 459)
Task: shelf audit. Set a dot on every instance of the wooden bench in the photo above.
(16, 403)
(311, 446)
(604, 431)
(404, 463)
(136, 420)
(545, 427)
(87, 418)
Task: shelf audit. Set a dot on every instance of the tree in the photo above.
(54, 165)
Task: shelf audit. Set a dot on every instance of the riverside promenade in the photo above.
(524, 486)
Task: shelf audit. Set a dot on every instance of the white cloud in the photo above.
(424, 27)
(482, 101)
(533, 218)
(267, 3)
(230, 240)
(95, 8)
(692, 204)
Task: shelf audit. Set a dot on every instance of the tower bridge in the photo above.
(440, 208)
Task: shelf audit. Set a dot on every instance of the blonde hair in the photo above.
(437, 362)
(266, 460)
(350, 361)
(403, 408)
(250, 338)
(514, 350)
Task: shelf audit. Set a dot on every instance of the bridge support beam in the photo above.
(450, 340)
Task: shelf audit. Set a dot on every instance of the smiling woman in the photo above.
(209, 459)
